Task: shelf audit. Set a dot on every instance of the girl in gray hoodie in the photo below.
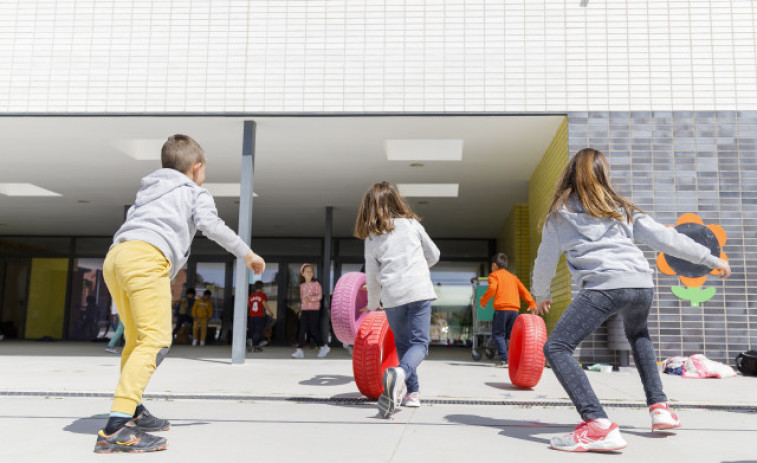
(398, 255)
(595, 228)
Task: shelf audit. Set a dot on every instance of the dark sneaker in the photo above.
(129, 438)
(146, 422)
(258, 349)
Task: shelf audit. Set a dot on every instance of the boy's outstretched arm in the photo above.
(206, 218)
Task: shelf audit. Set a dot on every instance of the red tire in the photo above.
(373, 353)
(526, 357)
(346, 303)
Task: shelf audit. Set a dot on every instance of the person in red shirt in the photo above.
(507, 291)
(258, 308)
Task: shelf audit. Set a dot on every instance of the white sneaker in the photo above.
(663, 417)
(412, 399)
(590, 436)
(298, 354)
(394, 390)
(194, 342)
(323, 351)
(112, 350)
(202, 343)
(263, 343)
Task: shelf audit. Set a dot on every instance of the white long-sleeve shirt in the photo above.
(397, 265)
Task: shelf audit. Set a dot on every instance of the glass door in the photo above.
(211, 276)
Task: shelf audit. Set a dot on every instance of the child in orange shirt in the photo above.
(507, 291)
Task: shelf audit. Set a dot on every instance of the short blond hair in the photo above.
(181, 152)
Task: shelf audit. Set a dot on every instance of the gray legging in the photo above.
(585, 314)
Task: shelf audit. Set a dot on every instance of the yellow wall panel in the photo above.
(47, 298)
(540, 191)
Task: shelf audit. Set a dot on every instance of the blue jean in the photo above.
(410, 324)
(255, 327)
(502, 326)
(585, 314)
(117, 335)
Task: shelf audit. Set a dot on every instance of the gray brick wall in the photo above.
(671, 163)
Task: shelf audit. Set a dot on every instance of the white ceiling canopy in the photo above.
(429, 190)
(302, 165)
(141, 149)
(24, 189)
(424, 150)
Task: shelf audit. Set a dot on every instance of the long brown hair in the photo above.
(587, 175)
(380, 205)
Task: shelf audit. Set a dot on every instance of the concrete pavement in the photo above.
(54, 397)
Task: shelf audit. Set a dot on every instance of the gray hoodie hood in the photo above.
(168, 211)
(159, 183)
(600, 252)
(590, 227)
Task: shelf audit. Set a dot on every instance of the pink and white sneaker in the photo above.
(663, 417)
(590, 436)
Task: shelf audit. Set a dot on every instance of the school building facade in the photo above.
(487, 98)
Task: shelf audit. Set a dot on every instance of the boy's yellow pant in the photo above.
(137, 275)
(201, 325)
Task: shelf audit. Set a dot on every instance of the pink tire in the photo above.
(348, 299)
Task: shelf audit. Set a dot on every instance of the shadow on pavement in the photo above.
(95, 423)
(327, 380)
(507, 387)
(523, 430)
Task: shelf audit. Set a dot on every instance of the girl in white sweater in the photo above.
(398, 255)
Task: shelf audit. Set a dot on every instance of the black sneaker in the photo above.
(146, 422)
(501, 364)
(130, 438)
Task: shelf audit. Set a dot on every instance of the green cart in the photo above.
(482, 321)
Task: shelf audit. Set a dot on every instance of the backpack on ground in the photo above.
(746, 363)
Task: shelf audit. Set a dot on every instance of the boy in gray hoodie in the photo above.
(595, 228)
(148, 251)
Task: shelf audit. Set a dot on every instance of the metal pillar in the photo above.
(242, 281)
(326, 276)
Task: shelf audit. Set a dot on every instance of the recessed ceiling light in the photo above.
(424, 150)
(430, 190)
(141, 149)
(24, 189)
(228, 190)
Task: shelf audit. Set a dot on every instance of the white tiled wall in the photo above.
(363, 55)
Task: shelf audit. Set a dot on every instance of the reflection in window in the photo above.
(451, 311)
(90, 300)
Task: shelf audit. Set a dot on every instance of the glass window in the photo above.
(451, 311)
(90, 301)
(211, 276)
(477, 249)
(34, 245)
(351, 247)
(93, 246)
(14, 281)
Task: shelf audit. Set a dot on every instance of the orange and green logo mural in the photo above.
(693, 276)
